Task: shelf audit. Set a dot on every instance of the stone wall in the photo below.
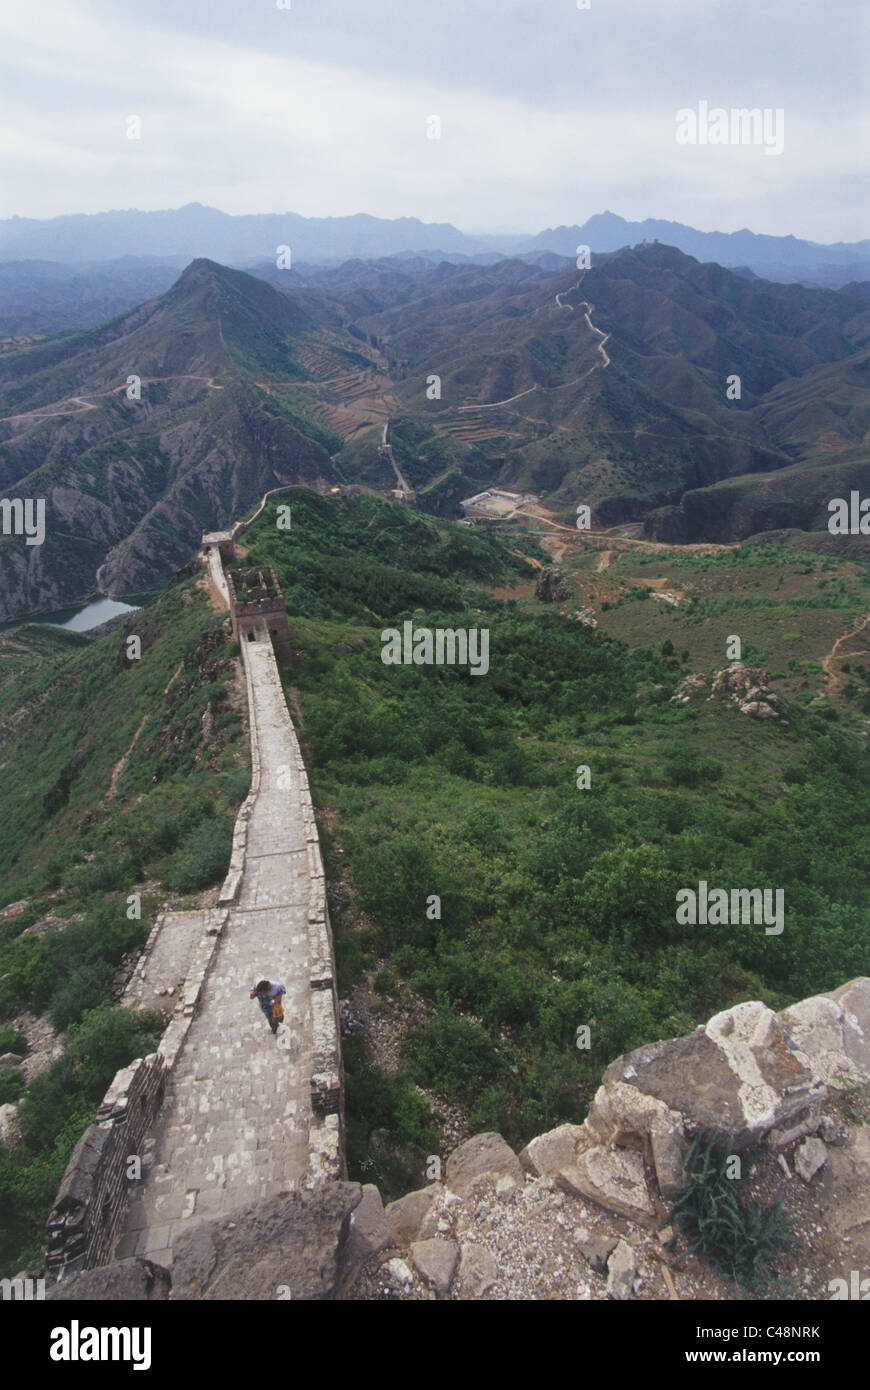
(91, 1201)
(326, 1137)
(577, 1214)
(92, 1197)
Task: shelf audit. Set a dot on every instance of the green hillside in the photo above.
(557, 904)
(120, 777)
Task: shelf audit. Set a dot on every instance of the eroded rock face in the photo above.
(550, 587)
(750, 1073)
(742, 1074)
(833, 1032)
(294, 1241)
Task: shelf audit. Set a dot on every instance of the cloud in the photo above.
(548, 114)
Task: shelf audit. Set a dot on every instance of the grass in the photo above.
(70, 711)
(557, 905)
(739, 1238)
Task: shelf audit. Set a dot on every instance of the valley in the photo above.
(609, 649)
(616, 400)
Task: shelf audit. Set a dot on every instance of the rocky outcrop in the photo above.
(746, 687)
(550, 587)
(578, 1214)
(755, 1075)
(10, 1128)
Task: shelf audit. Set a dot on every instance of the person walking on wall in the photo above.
(268, 995)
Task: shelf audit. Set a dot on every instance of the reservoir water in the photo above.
(82, 619)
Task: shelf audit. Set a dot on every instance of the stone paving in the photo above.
(234, 1125)
(158, 980)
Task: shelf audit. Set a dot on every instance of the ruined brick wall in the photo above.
(92, 1197)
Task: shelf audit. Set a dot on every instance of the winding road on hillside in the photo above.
(836, 677)
(604, 363)
(82, 403)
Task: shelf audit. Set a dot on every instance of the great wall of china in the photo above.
(239, 1137)
(223, 1113)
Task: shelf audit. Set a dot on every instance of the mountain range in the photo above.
(606, 387)
(181, 234)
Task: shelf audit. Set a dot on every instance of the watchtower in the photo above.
(257, 609)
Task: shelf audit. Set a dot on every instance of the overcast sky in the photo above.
(549, 113)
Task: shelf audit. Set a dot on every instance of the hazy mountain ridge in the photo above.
(194, 230)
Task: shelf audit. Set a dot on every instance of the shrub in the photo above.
(12, 1041)
(11, 1085)
(206, 853)
(738, 1237)
(452, 1054)
(385, 982)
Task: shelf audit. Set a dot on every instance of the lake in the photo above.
(82, 619)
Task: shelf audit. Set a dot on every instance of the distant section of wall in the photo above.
(257, 609)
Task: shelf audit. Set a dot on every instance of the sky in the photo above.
(548, 113)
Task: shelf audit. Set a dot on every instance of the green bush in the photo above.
(451, 1054)
(739, 1238)
(11, 1040)
(11, 1085)
(205, 855)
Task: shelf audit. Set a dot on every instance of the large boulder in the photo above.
(741, 1074)
(833, 1032)
(436, 1260)
(544, 1155)
(369, 1232)
(412, 1217)
(623, 1115)
(483, 1156)
(288, 1246)
(614, 1178)
(124, 1281)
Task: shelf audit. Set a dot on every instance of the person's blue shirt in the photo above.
(267, 999)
